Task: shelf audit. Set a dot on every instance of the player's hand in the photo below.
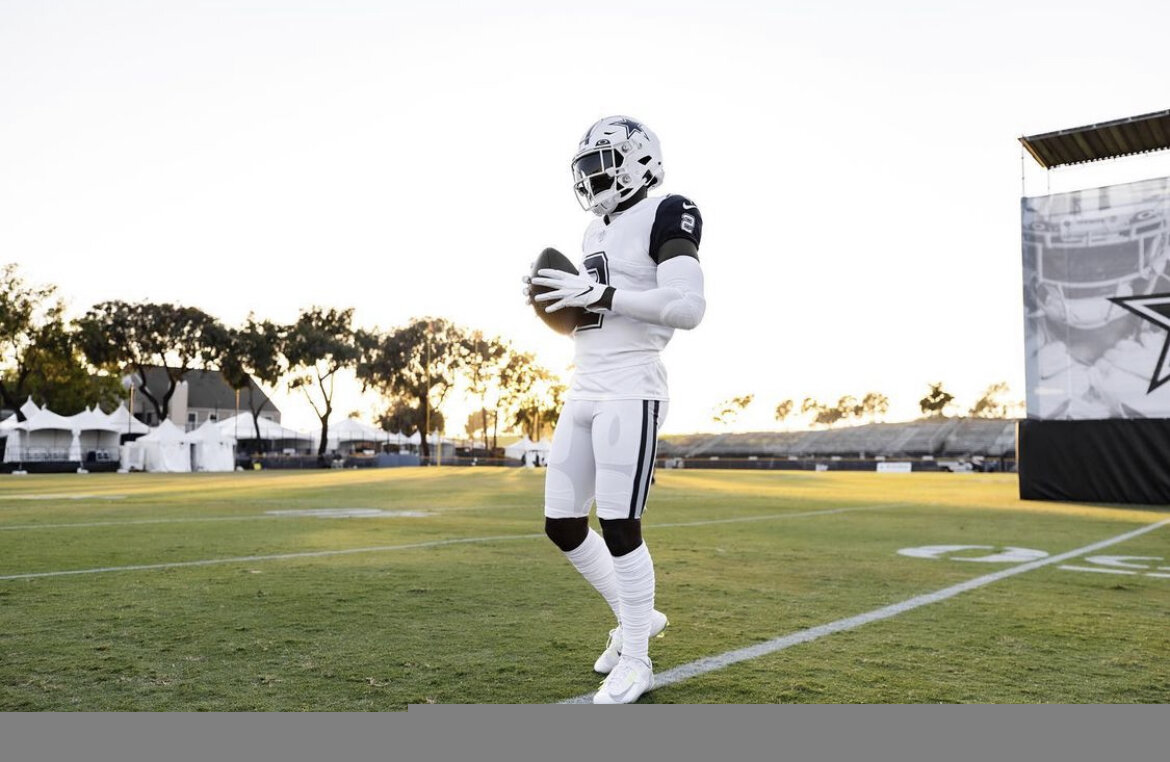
(527, 281)
(569, 289)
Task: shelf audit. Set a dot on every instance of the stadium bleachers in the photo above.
(927, 438)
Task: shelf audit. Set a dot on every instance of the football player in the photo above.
(639, 281)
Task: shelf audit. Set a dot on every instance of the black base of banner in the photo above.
(1113, 461)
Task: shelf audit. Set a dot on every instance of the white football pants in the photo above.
(603, 452)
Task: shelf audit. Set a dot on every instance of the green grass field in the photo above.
(203, 592)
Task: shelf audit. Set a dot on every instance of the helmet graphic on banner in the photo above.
(616, 158)
(1083, 249)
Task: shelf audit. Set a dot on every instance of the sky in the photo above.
(856, 163)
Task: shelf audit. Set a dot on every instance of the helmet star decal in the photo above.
(631, 127)
(1156, 309)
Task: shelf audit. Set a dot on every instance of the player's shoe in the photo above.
(613, 647)
(627, 682)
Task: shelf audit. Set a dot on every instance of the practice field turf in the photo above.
(377, 589)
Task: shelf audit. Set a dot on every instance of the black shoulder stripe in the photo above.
(676, 217)
(677, 247)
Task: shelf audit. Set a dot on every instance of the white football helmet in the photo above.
(617, 157)
(1083, 248)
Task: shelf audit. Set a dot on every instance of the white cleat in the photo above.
(627, 682)
(613, 647)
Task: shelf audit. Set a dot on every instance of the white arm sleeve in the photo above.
(677, 302)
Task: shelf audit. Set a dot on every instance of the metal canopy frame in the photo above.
(1097, 142)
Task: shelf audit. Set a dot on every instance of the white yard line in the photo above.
(712, 663)
(1097, 570)
(351, 551)
(133, 522)
(201, 519)
(782, 515)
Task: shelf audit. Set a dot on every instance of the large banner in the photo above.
(1097, 302)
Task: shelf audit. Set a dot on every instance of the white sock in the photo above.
(635, 578)
(593, 560)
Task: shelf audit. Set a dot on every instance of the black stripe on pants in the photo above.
(647, 450)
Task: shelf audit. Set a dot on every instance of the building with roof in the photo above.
(201, 396)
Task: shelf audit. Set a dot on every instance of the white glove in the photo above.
(570, 289)
(527, 281)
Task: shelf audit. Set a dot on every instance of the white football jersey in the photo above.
(618, 357)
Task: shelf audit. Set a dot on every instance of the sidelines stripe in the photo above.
(712, 663)
(637, 485)
(386, 548)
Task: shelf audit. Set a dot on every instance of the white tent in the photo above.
(29, 408)
(166, 449)
(527, 450)
(124, 423)
(47, 436)
(13, 445)
(243, 427)
(44, 436)
(16, 438)
(97, 436)
(8, 424)
(352, 430)
(214, 450)
(12, 435)
(132, 458)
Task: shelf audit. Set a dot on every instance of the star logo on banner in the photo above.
(631, 127)
(1156, 309)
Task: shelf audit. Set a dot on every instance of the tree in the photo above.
(254, 353)
(484, 362)
(478, 422)
(538, 409)
(822, 414)
(784, 409)
(811, 407)
(875, 405)
(727, 411)
(848, 407)
(416, 365)
(530, 395)
(318, 345)
(60, 378)
(31, 319)
(936, 402)
(406, 416)
(39, 355)
(991, 404)
(120, 336)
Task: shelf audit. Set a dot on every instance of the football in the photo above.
(563, 320)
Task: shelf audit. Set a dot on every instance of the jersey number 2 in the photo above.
(596, 265)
